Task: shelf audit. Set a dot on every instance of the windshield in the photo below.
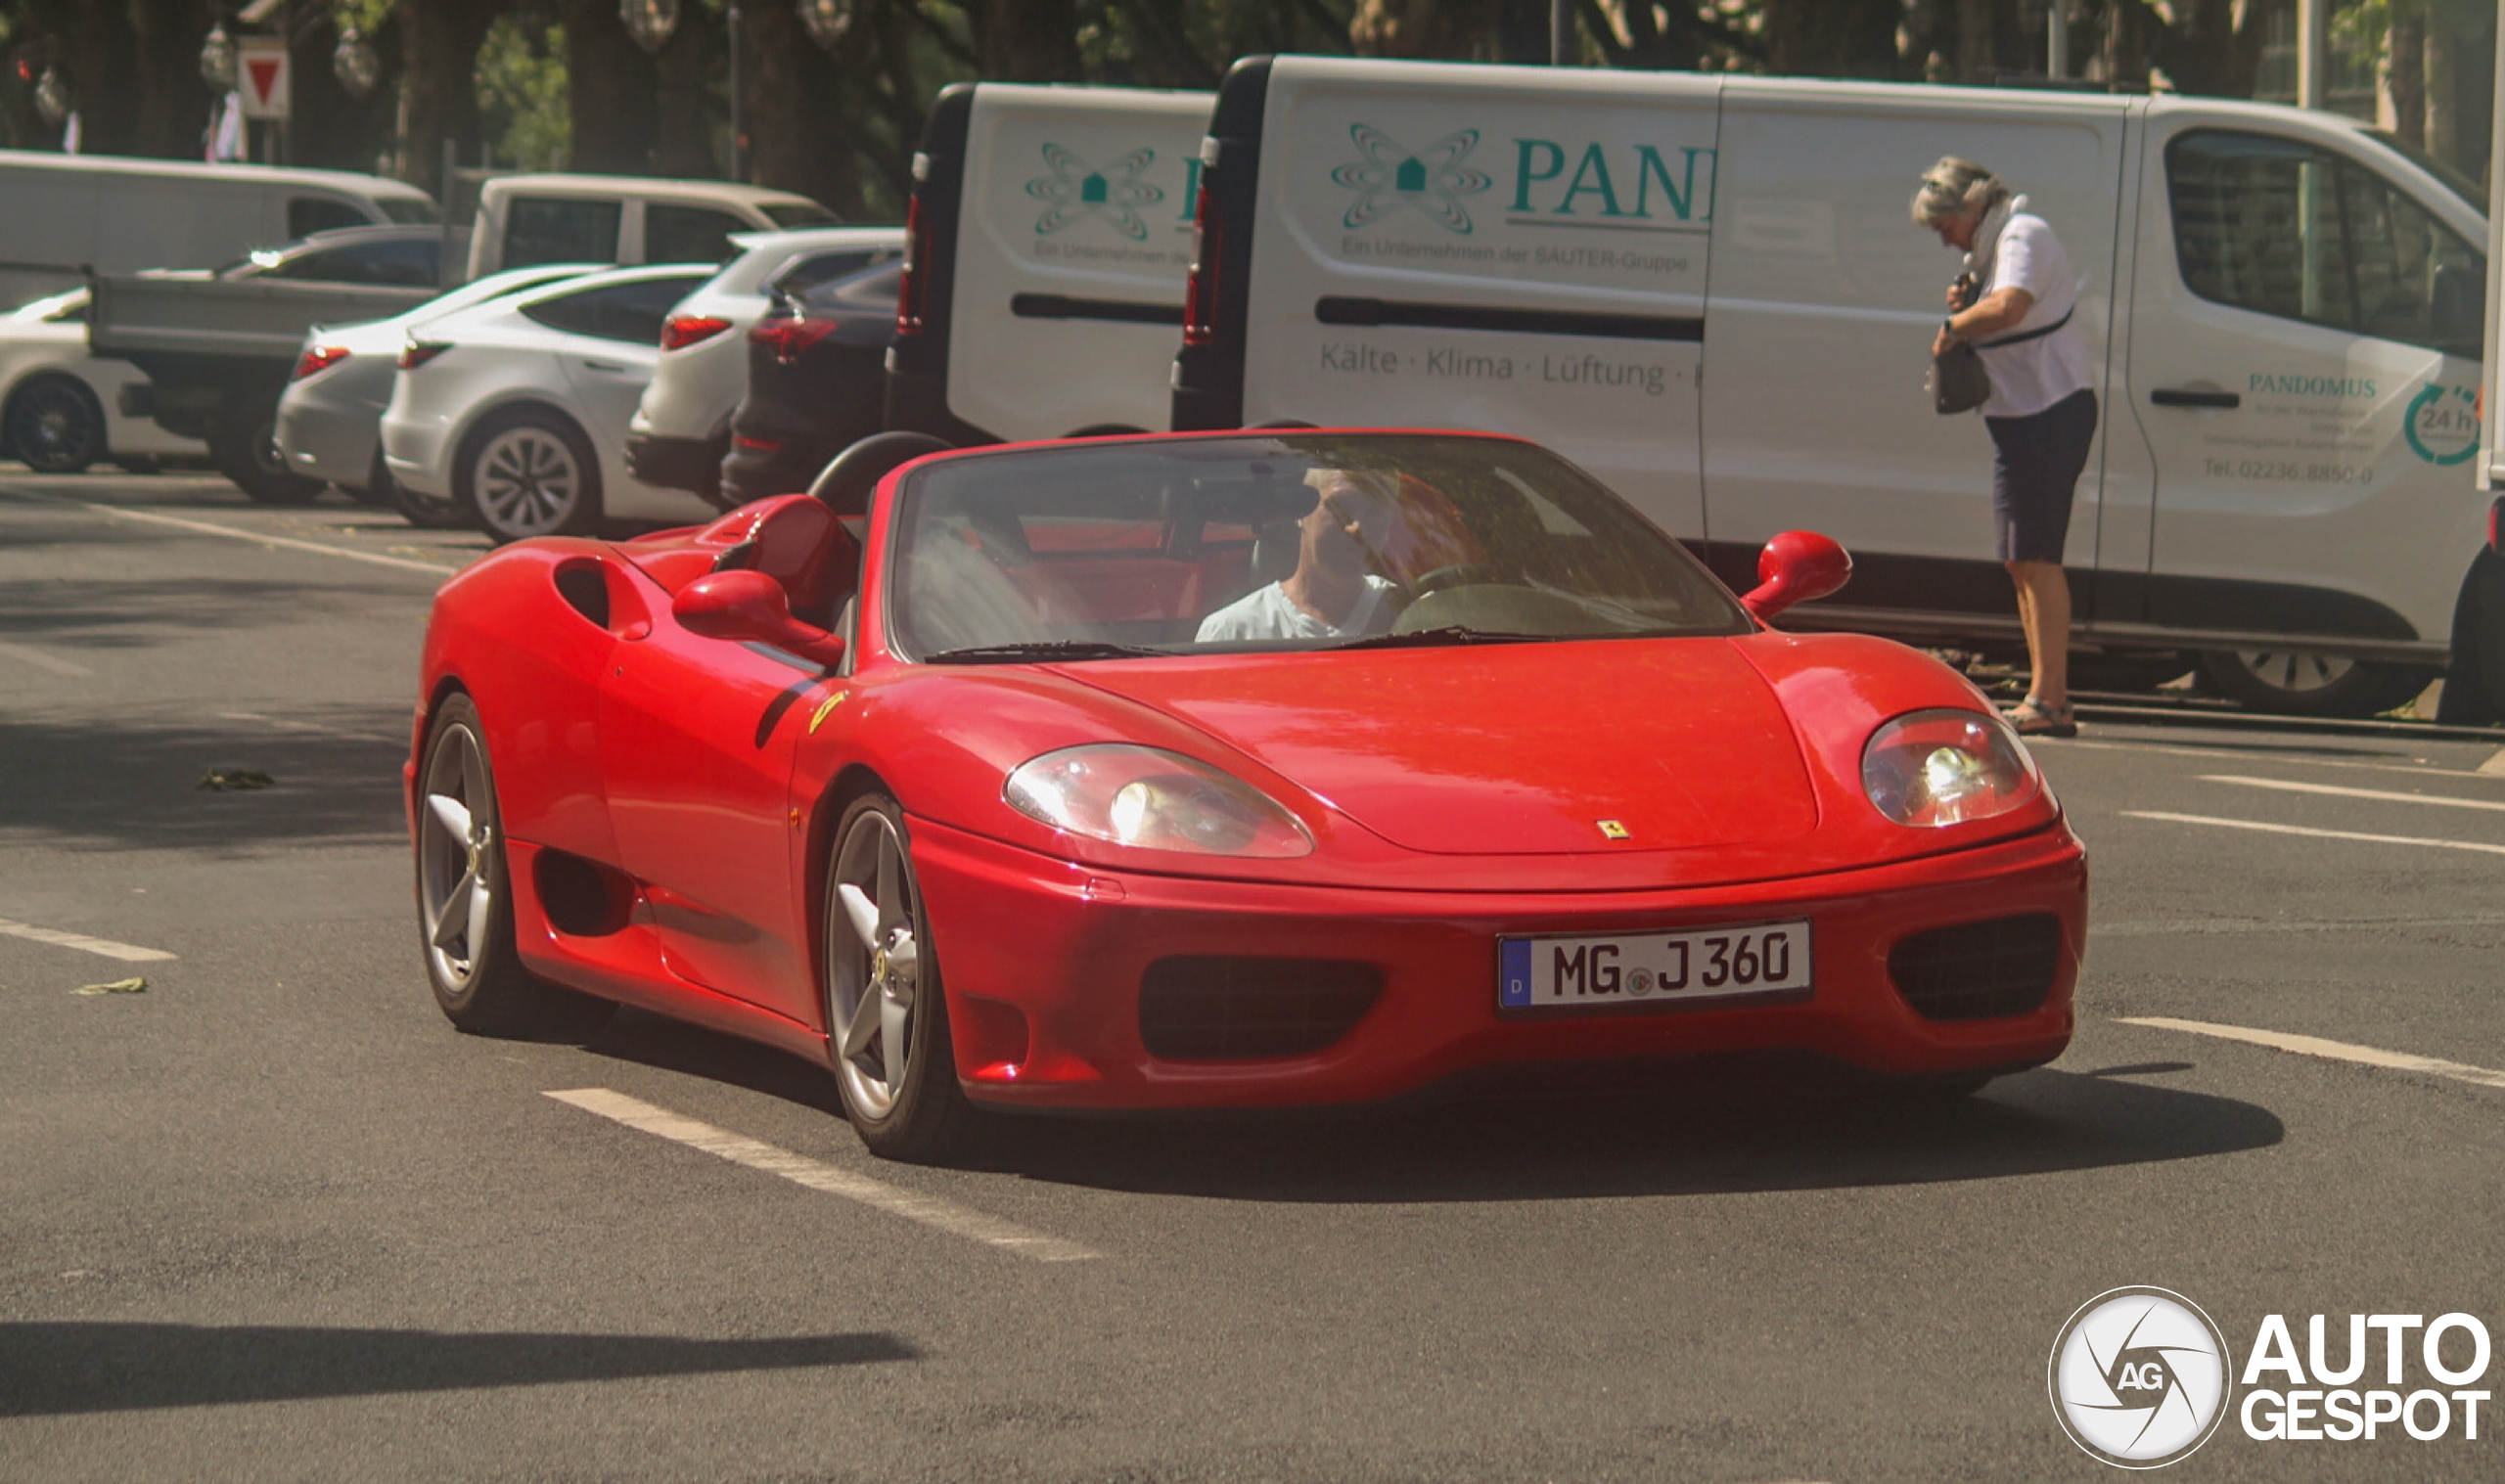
(1278, 542)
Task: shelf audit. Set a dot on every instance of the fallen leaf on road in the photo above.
(131, 986)
(222, 779)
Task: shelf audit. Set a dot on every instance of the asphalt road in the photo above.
(273, 1219)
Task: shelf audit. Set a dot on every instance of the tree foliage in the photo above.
(533, 82)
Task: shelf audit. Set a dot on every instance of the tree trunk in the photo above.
(441, 39)
(1976, 61)
(682, 106)
(801, 105)
(2407, 46)
(1028, 40)
(609, 91)
(2441, 77)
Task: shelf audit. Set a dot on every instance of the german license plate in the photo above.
(1629, 971)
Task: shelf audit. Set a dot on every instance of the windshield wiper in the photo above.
(1039, 650)
(1446, 634)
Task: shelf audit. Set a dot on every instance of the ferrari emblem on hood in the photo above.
(1612, 830)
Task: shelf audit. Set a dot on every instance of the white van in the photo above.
(1047, 245)
(1708, 290)
(526, 219)
(61, 212)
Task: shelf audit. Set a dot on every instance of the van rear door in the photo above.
(1434, 251)
(1825, 300)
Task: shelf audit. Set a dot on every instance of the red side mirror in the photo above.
(750, 608)
(1796, 566)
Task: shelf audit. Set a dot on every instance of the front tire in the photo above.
(54, 424)
(529, 471)
(886, 1014)
(465, 897)
(2300, 683)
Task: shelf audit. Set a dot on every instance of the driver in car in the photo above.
(1331, 594)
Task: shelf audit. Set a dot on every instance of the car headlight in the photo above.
(1151, 799)
(1946, 767)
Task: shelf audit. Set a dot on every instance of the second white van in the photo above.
(1047, 247)
(1708, 290)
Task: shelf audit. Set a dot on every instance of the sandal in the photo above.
(2033, 718)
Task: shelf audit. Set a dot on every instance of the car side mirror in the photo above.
(750, 608)
(1796, 566)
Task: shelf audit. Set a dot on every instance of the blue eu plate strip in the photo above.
(1513, 971)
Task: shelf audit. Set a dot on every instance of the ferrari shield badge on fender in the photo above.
(833, 700)
(1611, 830)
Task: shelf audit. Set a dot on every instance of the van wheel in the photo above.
(55, 425)
(243, 445)
(2301, 683)
(529, 471)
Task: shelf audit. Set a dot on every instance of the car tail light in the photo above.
(916, 254)
(1199, 291)
(417, 353)
(681, 331)
(790, 337)
(318, 359)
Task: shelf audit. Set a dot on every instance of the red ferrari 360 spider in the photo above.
(1226, 770)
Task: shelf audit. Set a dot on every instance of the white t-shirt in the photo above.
(2034, 374)
(1268, 612)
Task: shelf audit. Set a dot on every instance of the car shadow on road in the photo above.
(51, 1369)
(1682, 1128)
(1780, 1131)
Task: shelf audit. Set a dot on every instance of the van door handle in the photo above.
(604, 366)
(2189, 396)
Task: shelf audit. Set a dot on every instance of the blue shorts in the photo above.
(2035, 469)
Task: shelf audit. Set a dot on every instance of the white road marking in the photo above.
(2320, 835)
(2240, 926)
(817, 1175)
(29, 654)
(285, 725)
(81, 941)
(2392, 794)
(207, 528)
(2335, 1050)
(2070, 743)
(2495, 767)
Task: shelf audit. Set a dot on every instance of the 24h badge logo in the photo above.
(1113, 195)
(1432, 181)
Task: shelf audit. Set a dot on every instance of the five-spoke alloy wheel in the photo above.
(886, 1019)
(465, 911)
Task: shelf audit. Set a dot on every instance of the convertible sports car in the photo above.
(1226, 770)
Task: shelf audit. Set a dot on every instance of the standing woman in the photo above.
(2014, 304)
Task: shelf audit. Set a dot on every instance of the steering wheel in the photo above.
(1455, 574)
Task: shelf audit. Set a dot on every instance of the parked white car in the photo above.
(517, 409)
(683, 427)
(61, 407)
(330, 421)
